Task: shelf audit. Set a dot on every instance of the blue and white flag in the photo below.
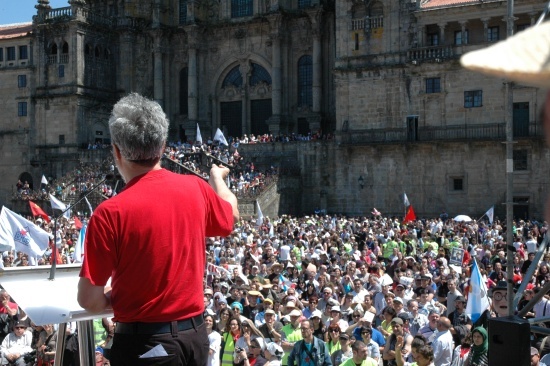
(285, 282)
(490, 214)
(406, 200)
(44, 180)
(478, 301)
(220, 137)
(18, 233)
(79, 246)
(89, 206)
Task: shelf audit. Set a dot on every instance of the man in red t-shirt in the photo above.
(150, 240)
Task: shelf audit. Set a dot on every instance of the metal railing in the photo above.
(478, 132)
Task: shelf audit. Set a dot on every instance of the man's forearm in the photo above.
(221, 189)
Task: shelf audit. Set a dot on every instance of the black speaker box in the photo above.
(509, 341)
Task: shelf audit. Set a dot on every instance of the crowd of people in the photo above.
(367, 289)
(371, 289)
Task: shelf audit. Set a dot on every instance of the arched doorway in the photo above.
(245, 100)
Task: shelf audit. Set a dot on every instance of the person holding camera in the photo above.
(16, 345)
(45, 350)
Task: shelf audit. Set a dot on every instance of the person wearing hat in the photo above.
(292, 333)
(16, 345)
(273, 353)
(398, 330)
(271, 328)
(344, 353)
(460, 321)
(336, 318)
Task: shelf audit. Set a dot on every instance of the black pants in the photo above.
(188, 347)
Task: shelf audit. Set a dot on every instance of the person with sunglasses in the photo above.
(230, 336)
(255, 354)
(16, 345)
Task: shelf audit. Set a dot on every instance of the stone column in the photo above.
(192, 85)
(276, 75)
(314, 120)
(485, 29)
(442, 33)
(464, 35)
(126, 61)
(78, 61)
(245, 69)
(158, 79)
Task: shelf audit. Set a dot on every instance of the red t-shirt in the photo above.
(150, 238)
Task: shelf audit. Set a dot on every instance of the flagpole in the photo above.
(54, 251)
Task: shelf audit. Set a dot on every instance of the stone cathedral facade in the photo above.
(382, 77)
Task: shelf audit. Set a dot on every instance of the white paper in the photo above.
(157, 351)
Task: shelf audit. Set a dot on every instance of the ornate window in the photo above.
(259, 74)
(241, 8)
(233, 78)
(305, 81)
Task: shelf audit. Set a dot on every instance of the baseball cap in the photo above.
(397, 320)
(534, 351)
(295, 312)
(270, 311)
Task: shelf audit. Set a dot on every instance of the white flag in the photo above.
(79, 246)
(18, 233)
(477, 297)
(220, 137)
(58, 205)
(44, 180)
(260, 216)
(490, 214)
(89, 206)
(406, 200)
(199, 136)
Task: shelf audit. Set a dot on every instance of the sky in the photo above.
(22, 11)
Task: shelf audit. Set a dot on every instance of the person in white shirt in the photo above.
(443, 344)
(16, 345)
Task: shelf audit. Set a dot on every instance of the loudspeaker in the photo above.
(509, 341)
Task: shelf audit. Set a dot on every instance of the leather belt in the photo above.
(159, 328)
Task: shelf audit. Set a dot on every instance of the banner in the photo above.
(490, 214)
(18, 233)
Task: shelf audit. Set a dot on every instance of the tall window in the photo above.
(520, 159)
(10, 51)
(21, 81)
(61, 71)
(433, 85)
(492, 34)
(183, 12)
(22, 109)
(433, 39)
(459, 39)
(1, 54)
(23, 53)
(304, 4)
(473, 98)
(184, 91)
(241, 8)
(305, 81)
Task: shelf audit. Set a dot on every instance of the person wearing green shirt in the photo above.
(360, 356)
(387, 248)
(292, 334)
